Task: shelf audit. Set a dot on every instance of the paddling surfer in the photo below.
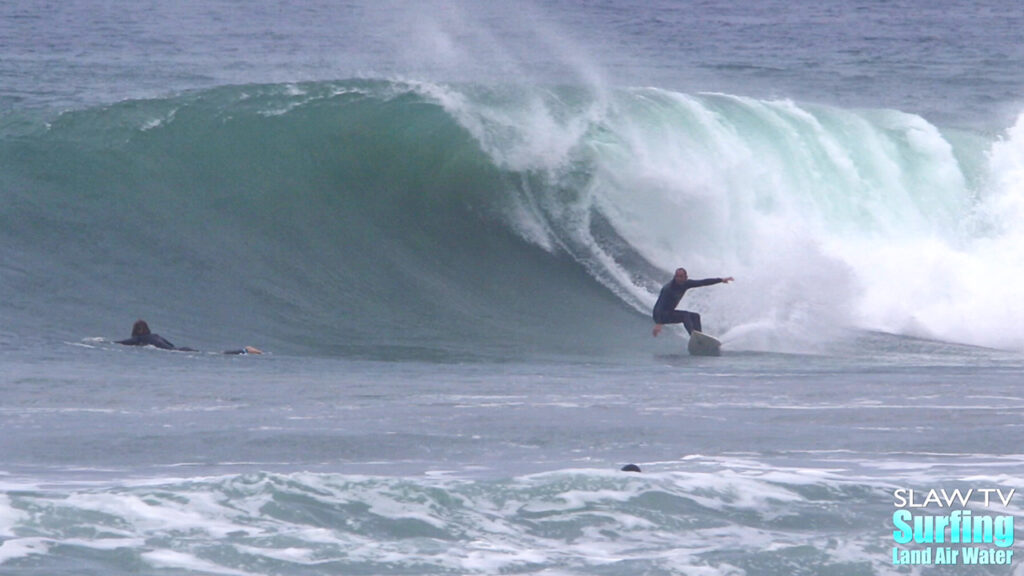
(142, 336)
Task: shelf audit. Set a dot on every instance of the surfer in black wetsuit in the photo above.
(141, 336)
(665, 308)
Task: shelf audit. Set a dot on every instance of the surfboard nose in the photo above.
(703, 345)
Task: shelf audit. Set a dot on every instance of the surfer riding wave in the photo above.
(665, 308)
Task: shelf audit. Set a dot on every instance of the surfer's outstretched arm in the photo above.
(244, 351)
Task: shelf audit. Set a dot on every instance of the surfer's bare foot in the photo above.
(656, 331)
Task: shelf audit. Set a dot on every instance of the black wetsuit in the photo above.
(152, 340)
(665, 308)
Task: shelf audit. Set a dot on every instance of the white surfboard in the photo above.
(703, 345)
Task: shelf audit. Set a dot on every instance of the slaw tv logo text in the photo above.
(971, 528)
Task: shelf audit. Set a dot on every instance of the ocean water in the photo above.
(445, 223)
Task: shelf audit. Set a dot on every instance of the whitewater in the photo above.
(446, 224)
